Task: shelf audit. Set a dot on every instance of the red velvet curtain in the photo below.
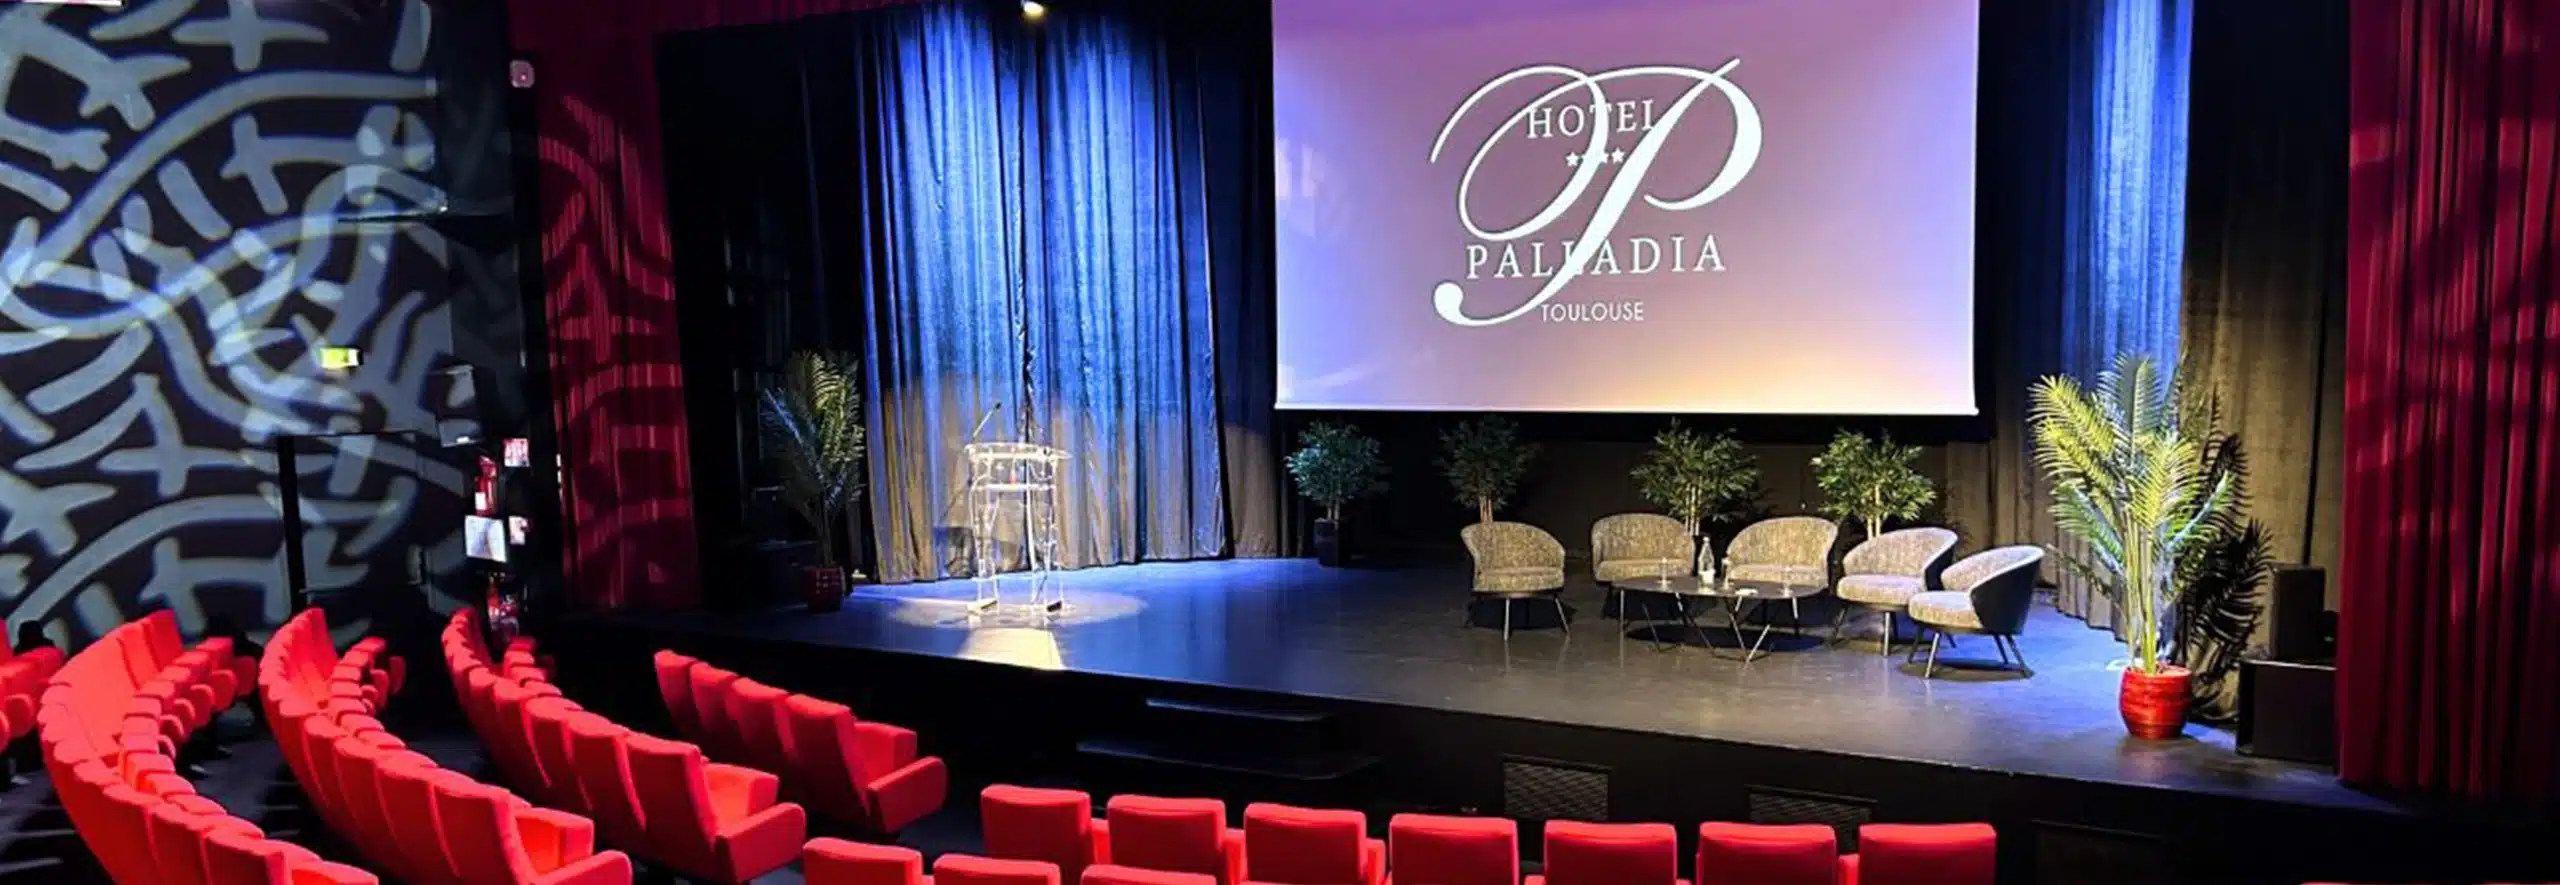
(617, 374)
(2449, 645)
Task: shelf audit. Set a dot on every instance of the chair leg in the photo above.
(1506, 618)
(1932, 669)
(2002, 646)
(1467, 615)
(2022, 656)
(1884, 647)
(1561, 622)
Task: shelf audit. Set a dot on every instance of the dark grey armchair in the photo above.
(1987, 593)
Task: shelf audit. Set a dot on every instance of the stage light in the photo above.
(1034, 10)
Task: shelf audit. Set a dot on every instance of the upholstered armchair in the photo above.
(1882, 573)
(1515, 561)
(1986, 593)
(1788, 549)
(1629, 546)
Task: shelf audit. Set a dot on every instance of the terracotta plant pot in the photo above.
(823, 587)
(2154, 705)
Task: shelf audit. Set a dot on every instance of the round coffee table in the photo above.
(1733, 595)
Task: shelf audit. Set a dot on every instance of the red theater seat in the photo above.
(409, 795)
(232, 858)
(495, 840)
(514, 740)
(1923, 854)
(1306, 846)
(1750, 854)
(1176, 835)
(675, 687)
(549, 719)
(1428, 849)
(755, 713)
(177, 841)
(1108, 874)
(1053, 826)
(864, 773)
(711, 821)
(711, 700)
(1610, 854)
(962, 869)
(838, 862)
(604, 775)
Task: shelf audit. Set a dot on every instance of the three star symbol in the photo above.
(1615, 156)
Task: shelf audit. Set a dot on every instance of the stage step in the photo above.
(1230, 745)
(1324, 767)
(1229, 711)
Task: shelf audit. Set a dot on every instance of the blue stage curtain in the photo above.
(1038, 254)
(2123, 271)
(2085, 121)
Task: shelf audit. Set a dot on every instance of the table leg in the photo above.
(1689, 620)
(1679, 610)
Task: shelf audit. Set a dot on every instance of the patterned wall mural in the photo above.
(183, 188)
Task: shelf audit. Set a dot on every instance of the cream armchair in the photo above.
(1516, 561)
(1882, 573)
(1629, 546)
(1788, 549)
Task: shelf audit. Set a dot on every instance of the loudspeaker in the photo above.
(2297, 622)
(2289, 710)
(768, 519)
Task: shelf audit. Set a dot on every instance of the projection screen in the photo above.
(1726, 206)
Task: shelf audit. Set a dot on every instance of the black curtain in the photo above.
(2265, 312)
(752, 220)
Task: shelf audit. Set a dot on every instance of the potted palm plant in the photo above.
(1694, 476)
(1484, 460)
(1871, 480)
(2131, 476)
(1334, 465)
(812, 421)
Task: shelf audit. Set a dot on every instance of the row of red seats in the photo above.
(864, 773)
(427, 824)
(22, 682)
(836, 862)
(660, 799)
(111, 720)
(1282, 845)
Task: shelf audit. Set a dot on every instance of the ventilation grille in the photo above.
(1845, 814)
(1539, 789)
(2092, 856)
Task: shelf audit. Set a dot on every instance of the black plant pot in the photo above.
(823, 587)
(1329, 543)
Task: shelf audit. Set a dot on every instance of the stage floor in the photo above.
(1394, 636)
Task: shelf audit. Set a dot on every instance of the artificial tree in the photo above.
(1692, 474)
(812, 422)
(1334, 465)
(2138, 474)
(1871, 480)
(1484, 459)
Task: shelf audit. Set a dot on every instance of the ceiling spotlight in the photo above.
(1034, 10)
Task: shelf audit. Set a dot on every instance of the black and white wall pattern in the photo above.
(184, 194)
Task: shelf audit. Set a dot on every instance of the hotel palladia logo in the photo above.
(1611, 146)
